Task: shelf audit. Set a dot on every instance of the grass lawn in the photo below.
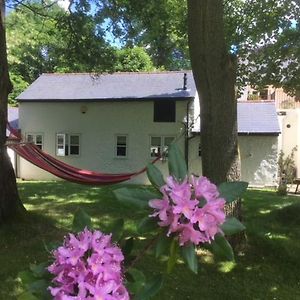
(268, 267)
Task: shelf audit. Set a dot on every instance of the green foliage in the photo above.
(231, 191)
(176, 162)
(133, 60)
(221, 248)
(286, 171)
(81, 220)
(155, 176)
(189, 255)
(135, 196)
(150, 289)
(232, 226)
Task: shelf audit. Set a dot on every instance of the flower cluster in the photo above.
(86, 267)
(192, 209)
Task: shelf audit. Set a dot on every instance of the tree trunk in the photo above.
(10, 203)
(214, 73)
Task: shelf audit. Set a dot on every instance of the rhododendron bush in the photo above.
(182, 214)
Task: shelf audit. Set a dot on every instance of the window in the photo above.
(164, 111)
(121, 146)
(67, 144)
(159, 145)
(36, 138)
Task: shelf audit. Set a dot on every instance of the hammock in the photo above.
(43, 160)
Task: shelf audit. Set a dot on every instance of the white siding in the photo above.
(98, 128)
(258, 159)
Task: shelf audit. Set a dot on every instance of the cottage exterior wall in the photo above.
(258, 154)
(98, 128)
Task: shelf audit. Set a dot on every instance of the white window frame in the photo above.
(116, 146)
(65, 150)
(163, 146)
(34, 135)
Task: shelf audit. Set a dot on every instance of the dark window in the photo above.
(121, 149)
(164, 111)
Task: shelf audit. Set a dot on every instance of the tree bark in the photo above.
(214, 74)
(10, 203)
(214, 70)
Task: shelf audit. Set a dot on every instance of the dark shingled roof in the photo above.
(256, 118)
(13, 118)
(117, 86)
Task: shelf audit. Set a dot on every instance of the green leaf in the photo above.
(162, 245)
(137, 280)
(27, 296)
(117, 229)
(221, 248)
(39, 287)
(232, 226)
(155, 176)
(81, 220)
(147, 225)
(177, 164)
(128, 246)
(39, 270)
(26, 277)
(173, 256)
(135, 196)
(151, 288)
(231, 191)
(190, 257)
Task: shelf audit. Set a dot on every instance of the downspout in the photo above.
(186, 141)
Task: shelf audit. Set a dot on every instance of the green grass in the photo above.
(267, 267)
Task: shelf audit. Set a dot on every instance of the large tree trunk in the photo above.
(214, 74)
(10, 204)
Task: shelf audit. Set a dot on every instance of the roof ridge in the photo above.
(116, 73)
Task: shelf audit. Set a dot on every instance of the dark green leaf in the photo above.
(39, 287)
(81, 220)
(155, 176)
(177, 164)
(117, 229)
(163, 245)
(135, 196)
(26, 277)
(151, 288)
(137, 280)
(147, 225)
(231, 191)
(232, 226)
(128, 246)
(190, 257)
(173, 256)
(221, 248)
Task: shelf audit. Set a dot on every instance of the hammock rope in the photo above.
(43, 160)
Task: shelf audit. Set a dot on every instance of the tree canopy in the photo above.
(263, 35)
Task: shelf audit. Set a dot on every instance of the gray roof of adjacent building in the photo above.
(116, 86)
(254, 118)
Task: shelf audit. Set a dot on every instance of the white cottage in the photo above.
(119, 122)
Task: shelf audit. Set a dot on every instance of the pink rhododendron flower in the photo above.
(180, 210)
(88, 266)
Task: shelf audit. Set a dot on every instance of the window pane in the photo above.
(168, 140)
(155, 141)
(30, 138)
(121, 151)
(74, 139)
(39, 139)
(155, 151)
(60, 140)
(74, 150)
(121, 140)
